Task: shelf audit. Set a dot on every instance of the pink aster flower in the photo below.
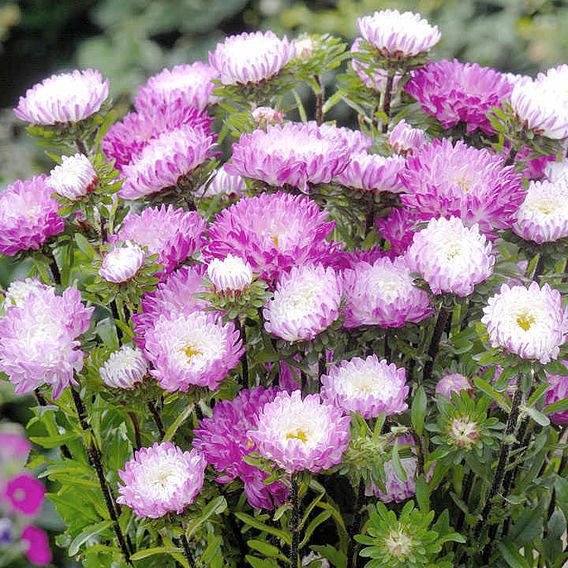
(38, 340)
(124, 368)
(74, 178)
(294, 154)
(305, 303)
(224, 184)
(456, 92)
(557, 392)
(36, 546)
(395, 489)
(442, 179)
(64, 98)
(25, 494)
(528, 322)
(161, 479)
(28, 216)
(371, 172)
(367, 386)
(250, 57)
(188, 85)
(301, 434)
(166, 159)
(398, 35)
(353, 141)
(19, 290)
(122, 263)
(406, 140)
(273, 232)
(451, 257)
(398, 229)
(192, 349)
(543, 215)
(223, 439)
(177, 293)
(453, 382)
(173, 234)
(232, 274)
(383, 293)
(14, 447)
(375, 79)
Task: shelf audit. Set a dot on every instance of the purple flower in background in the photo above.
(25, 494)
(36, 545)
(395, 489)
(371, 172)
(454, 382)
(557, 392)
(398, 228)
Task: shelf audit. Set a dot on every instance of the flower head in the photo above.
(557, 171)
(454, 382)
(406, 140)
(25, 494)
(28, 216)
(74, 178)
(19, 290)
(36, 545)
(306, 302)
(442, 179)
(367, 386)
(396, 490)
(557, 392)
(124, 368)
(161, 479)
(14, 447)
(398, 229)
(528, 322)
(371, 172)
(267, 115)
(232, 274)
(301, 434)
(122, 263)
(250, 57)
(451, 257)
(224, 184)
(64, 98)
(223, 439)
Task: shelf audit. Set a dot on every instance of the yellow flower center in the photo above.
(299, 435)
(275, 240)
(524, 321)
(190, 351)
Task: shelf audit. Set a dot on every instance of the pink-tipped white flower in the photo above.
(232, 274)
(64, 98)
(124, 368)
(405, 140)
(398, 35)
(224, 184)
(160, 480)
(267, 115)
(305, 303)
(543, 215)
(451, 257)
(383, 293)
(371, 172)
(19, 290)
(301, 434)
(250, 57)
(367, 386)
(192, 349)
(454, 382)
(396, 490)
(122, 263)
(74, 178)
(528, 322)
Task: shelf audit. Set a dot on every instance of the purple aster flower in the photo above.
(456, 92)
(451, 257)
(232, 274)
(28, 216)
(396, 490)
(36, 546)
(301, 434)
(124, 368)
(543, 215)
(250, 57)
(454, 382)
(192, 349)
(528, 322)
(398, 229)
(273, 232)
(64, 98)
(534, 168)
(122, 263)
(383, 293)
(444, 179)
(406, 140)
(367, 386)
(223, 439)
(161, 479)
(371, 172)
(375, 79)
(398, 35)
(25, 494)
(186, 85)
(305, 303)
(74, 178)
(173, 234)
(557, 392)
(224, 184)
(38, 340)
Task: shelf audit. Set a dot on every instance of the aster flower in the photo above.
(124, 368)
(367, 386)
(294, 154)
(405, 140)
(395, 489)
(267, 115)
(301, 434)
(223, 440)
(543, 215)
(453, 382)
(456, 92)
(451, 257)
(161, 479)
(342, 259)
(122, 263)
(173, 234)
(557, 392)
(192, 349)
(383, 293)
(398, 229)
(232, 274)
(28, 216)
(187, 85)
(528, 322)
(25, 494)
(305, 303)
(36, 545)
(442, 179)
(353, 141)
(14, 447)
(74, 178)
(375, 79)
(19, 290)
(250, 57)
(166, 159)
(557, 171)
(38, 340)
(224, 184)
(273, 232)
(371, 172)
(64, 98)
(398, 35)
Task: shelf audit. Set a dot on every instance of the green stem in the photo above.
(434, 347)
(356, 526)
(187, 550)
(294, 524)
(157, 419)
(320, 97)
(387, 99)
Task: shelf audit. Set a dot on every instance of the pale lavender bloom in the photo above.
(406, 140)
(224, 184)
(267, 115)
(453, 382)
(64, 98)
(367, 386)
(232, 274)
(371, 172)
(396, 490)
(74, 178)
(161, 479)
(124, 368)
(557, 171)
(122, 263)
(19, 290)
(557, 392)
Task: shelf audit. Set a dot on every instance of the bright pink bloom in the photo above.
(37, 549)
(25, 494)
(398, 229)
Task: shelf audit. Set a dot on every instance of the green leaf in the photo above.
(512, 556)
(215, 507)
(56, 441)
(537, 416)
(153, 551)
(87, 534)
(259, 525)
(260, 563)
(314, 524)
(182, 417)
(418, 412)
(527, 526)
(85, 246)
(560, 406)
(488, 390)
(337, 558)
(264, 548)
(422, 494)
(398, 469)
